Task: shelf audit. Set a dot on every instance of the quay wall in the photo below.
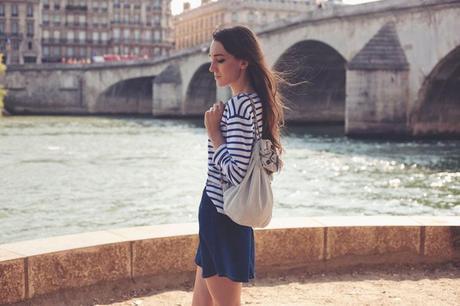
(59, 268)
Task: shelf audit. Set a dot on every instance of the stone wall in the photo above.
(159, 256)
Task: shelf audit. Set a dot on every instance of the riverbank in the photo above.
(119, 264)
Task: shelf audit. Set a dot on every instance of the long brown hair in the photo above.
(242, 43)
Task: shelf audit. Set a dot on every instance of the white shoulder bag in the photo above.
(251, 202)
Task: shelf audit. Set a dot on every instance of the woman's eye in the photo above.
(220, 61)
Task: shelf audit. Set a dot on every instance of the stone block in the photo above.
(288, 247)
(164, 255)
(78, 267)
(442, 243)
(155, 231)
(382, 220)
(437, 220)
(12, 280)
(373, 244)
(62, 243)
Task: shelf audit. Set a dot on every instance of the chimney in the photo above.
(186, 6)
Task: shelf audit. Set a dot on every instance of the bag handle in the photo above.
(254, 120)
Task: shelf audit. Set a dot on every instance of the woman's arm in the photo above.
(232, 153)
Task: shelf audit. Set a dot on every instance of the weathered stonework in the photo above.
(378, 87)
(78, 268)
(12, 280)
(158, 256)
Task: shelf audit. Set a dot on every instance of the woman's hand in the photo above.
(212, 119)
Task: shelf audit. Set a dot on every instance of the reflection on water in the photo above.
(65, 175)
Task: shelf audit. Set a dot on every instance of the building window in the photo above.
(147, 36)
(81, 36)
(82, 52)
(2, 10)
(15, 44)
(14, 10)
(57, 20)
(104, 6)
(156, 36)
(70, 19)
(30, 10)
(126, 34)
(156, 19)
(14, 27)
(2, 28)
(46, 51)
(46, 20)
(95, 37)
(70, 52)
(29, 45)
(57, 7)
(57, 51)
(30, 29)
(116, 35)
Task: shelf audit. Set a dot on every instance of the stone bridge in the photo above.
(390, 67)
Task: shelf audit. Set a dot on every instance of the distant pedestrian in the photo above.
(226, 255)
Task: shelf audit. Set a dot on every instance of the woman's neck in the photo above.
(241, 86)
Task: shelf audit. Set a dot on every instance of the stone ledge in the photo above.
(149, 254)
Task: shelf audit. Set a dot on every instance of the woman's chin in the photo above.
(220, 83)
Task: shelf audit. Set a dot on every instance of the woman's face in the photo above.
(226, 68)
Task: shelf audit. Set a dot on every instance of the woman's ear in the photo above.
(244, 64)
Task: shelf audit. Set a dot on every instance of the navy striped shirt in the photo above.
(230, 161)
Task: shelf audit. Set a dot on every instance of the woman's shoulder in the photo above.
(238, 105)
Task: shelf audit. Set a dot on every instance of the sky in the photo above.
(176, 5)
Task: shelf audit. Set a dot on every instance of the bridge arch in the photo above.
(316, 74)
(201, 91)
(130, 96)
(438, 107)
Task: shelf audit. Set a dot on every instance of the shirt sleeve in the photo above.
(234, 155)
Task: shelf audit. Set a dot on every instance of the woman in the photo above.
(225, 255)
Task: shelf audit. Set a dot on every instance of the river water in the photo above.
(63, 175)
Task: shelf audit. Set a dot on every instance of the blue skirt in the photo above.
(226, 248)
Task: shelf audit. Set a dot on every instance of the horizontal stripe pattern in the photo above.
(229, 162)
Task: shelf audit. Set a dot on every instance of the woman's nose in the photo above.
(211, 67)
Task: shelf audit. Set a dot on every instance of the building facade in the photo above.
(32, 31)
(20, 34)
(194, 26)
(84, 29)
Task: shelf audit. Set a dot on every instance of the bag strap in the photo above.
(254, 120)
